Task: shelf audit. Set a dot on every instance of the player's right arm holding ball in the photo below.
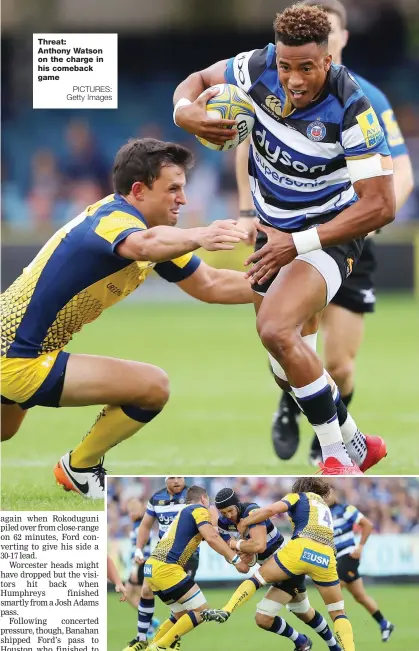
(190, 109)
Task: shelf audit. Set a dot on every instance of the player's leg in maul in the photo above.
(181, 621)
(145, 612)
(297, 294)
(267, 618)
(333, 599)
(134, 393)
(302, 609)
(11, 419)
(357, 590)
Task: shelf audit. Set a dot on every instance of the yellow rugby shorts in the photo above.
(305, 556)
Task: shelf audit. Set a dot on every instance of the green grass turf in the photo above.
(397, 602)
(219, 416)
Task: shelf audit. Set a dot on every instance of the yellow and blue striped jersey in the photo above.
(77, 275)
(182, 539)
(310, 517)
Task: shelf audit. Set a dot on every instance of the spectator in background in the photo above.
(84, 161)
(45, 188)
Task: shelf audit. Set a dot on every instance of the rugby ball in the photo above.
(231, 103)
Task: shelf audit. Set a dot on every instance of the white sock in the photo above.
(354, 440)
(328, 433)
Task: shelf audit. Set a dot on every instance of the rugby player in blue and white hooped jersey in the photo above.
(348, 556)
(321, 179)
(343, 320)
(162, 507)
(264, 540)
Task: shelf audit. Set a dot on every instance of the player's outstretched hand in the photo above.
(242, 526)
(242, 567)
(119, 587)
(221, 235)
(246, 558)
(249, 226)
(278, 251)
(195, 119)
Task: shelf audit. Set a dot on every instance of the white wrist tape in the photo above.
(306, 241)
(236, 559)
(182, 102)
(138, 554)
(238, 544)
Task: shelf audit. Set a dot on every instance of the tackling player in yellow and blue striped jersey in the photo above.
(93, 262)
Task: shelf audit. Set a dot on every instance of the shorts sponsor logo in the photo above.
(369, 296)
(349, 266)
(316, 130)
(148, 570)
(315, 558)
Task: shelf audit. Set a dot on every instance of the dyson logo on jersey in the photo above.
(280, 179)
(314, 558)
(165, 520)
(281, 156)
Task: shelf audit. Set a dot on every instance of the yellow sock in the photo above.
(244, 592)
(113, 425)
(183, 625)
(344, 633)
(163, 629)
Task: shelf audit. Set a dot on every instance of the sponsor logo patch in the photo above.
(315, 558)
(370, 127)
(148, 570)
(273, 103)
(316, 130)
(349, 266)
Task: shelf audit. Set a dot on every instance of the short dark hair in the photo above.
(332, 7)
(194, 494)
(311, 485)
(299, 24)
(142, 160)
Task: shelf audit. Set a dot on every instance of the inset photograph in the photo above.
(318, 562)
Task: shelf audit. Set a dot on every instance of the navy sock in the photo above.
(281, 627)
(319, 624)
(145, 615)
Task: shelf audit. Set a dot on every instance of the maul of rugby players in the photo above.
(343, 319)
(310, 551)
(93, 262)
(334, 187)
(165, 570)
(162, 507)
(348, 556)
(259, 543)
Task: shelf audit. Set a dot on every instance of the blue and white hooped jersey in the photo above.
(297, 162)
(345, 516)
(133, 539)
(165, 507)
(274, 539)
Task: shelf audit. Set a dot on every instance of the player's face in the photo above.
(338, 38)
(231, 513)
(175, 485)
(160, 204)
(302, 71)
